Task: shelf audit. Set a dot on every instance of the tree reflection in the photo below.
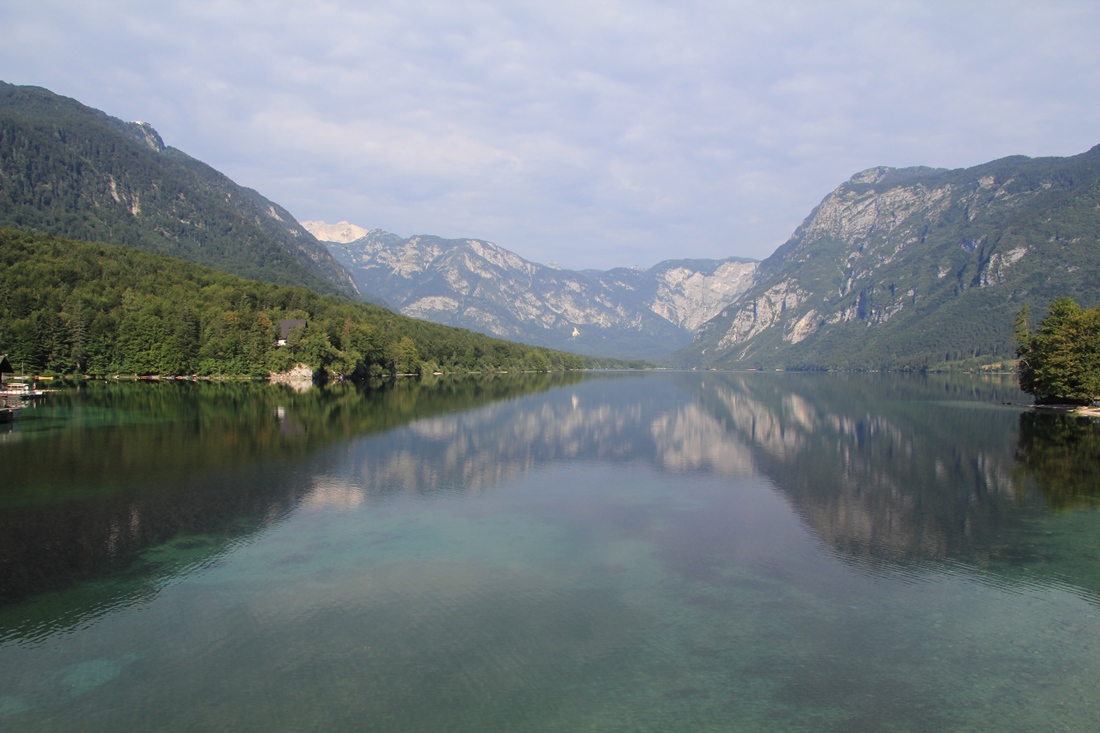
(1060, 456)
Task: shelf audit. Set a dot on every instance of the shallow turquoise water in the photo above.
(664, 552)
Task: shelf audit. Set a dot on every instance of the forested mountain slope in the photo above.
(917, 268)
(73, 171)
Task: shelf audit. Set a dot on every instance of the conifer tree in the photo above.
(1060, 360)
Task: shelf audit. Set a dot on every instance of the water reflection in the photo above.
(102, 475)
(692, 439)
(882, 468)
(643, 553)
(471, 452)
(1060, 456)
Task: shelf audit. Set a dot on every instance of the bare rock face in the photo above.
(145, 132)
(470, 283)
(689, 297)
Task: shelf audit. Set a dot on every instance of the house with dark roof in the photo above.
(286, 326)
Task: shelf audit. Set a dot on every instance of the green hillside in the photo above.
(73, 171)
(70, 307)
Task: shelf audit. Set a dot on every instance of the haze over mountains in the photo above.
(896, 268)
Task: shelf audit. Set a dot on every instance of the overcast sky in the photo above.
(589, 134)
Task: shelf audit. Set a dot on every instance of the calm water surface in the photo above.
(661, 552)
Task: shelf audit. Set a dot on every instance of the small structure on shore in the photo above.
(286, 326)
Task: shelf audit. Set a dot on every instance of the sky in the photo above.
(589, 134)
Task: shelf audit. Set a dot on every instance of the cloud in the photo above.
(594, 134)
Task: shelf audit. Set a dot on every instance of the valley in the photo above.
(897, 268)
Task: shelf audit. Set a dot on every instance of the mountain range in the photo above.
(910, 268)
(474, 284)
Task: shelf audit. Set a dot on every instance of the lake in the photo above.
(606, 552)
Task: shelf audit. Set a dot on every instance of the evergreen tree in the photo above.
(1060, 360)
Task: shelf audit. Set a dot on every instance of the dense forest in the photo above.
(69, 307)
(1060, 360)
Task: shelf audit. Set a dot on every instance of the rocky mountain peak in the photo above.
(341, 232)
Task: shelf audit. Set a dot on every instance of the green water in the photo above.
(662, 552)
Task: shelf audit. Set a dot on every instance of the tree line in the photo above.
(69, 307)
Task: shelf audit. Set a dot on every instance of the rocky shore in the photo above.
(300, 377)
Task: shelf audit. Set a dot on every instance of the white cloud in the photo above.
(592, 134)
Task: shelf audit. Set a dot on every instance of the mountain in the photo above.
(917, 268)
(73, 171)
(627, 313)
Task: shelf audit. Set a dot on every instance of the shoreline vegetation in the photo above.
(72, 308)
(1059, 361)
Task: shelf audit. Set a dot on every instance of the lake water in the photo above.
(657, 552)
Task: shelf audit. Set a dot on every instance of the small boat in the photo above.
(20, 389)
(8, 414)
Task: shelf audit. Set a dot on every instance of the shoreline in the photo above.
(1075, 410)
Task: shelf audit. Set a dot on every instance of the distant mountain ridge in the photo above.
(478, 285)
(73, 171)
(917, 268)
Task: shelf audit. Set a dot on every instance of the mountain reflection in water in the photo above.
(873, 465)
